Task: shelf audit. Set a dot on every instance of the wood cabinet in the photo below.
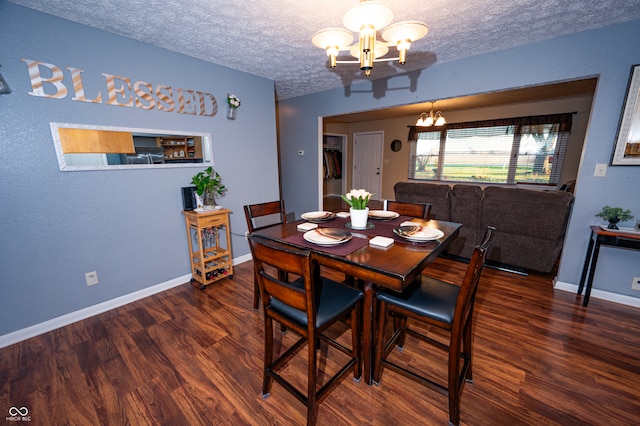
(89, 141)
(209, 239)
(180, 148)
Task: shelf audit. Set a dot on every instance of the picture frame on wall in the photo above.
(626, 150)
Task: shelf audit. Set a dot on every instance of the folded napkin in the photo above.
(306, 226)
(381, 241)
(409, 223)
(334, 233)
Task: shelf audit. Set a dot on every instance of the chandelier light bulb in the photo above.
(332, 53)
(431, 119)
(332, 40)
(403, 46)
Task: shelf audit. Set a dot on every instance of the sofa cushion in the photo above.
(465, 209)
(530, 225)
(536, 214)
(435, 194)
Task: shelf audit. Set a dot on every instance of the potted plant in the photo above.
(208, 186)
(614, 215)
(357, 199)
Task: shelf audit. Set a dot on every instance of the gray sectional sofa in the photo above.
(530, 224)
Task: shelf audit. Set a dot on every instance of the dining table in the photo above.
(372, 267)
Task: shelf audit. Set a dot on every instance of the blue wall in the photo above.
(606, 53)
(126, 224)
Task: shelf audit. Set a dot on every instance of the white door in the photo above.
(367, 162)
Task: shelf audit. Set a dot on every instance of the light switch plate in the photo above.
(601, 170)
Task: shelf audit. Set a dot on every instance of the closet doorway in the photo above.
(334, 160)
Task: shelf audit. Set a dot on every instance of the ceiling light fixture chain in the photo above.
(366, 18)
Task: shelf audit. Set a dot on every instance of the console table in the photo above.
(603, 237)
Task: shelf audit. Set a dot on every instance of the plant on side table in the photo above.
(208, 186)
(614, 215)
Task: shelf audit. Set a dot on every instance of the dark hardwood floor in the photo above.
(192, 357)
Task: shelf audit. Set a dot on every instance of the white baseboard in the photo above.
(70, 318)
(238, 260)
(600, 294)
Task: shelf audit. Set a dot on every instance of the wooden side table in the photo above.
(600, 237)
(209, 239)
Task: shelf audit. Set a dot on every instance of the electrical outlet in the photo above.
(91, 278)
(635, 284)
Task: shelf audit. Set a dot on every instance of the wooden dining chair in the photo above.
(308, 306)
(448, 307)
(260, 216)
(421, 210)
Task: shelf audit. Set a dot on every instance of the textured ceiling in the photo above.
(272, 38)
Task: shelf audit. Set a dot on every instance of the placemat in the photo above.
(339, 249)
(380, 227)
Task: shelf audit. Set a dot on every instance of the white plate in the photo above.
(382, 214)
(314, 236)
(423, 234)
(318, 216)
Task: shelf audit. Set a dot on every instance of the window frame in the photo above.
(561, 125)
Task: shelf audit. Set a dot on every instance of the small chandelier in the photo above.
(431, 119)
(366, 18)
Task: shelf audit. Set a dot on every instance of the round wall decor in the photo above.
(396, 145)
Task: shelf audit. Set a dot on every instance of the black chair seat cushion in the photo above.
(334, 300)
(427, 297)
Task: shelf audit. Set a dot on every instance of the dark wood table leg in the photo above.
(587, 262)
(367, 329)
(592, 272)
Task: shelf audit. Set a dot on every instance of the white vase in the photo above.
(359, 218)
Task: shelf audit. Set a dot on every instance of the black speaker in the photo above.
(189, 198)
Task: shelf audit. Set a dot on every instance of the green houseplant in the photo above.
(209, 186)
(614, 215)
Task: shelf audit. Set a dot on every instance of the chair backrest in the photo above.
(421, 210)
(262, 210)
(288, 259)
(469, 287)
